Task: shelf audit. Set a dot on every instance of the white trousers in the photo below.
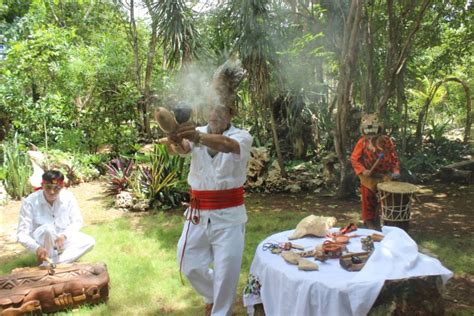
(75, 245)
(223, 249)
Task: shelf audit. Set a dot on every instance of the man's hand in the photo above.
(188, 131)
(41, 254)
(59, 243)
(366, 173)
(395, 176)
(174, 138)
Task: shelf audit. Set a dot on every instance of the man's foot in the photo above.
(372, 224)
(208, 309)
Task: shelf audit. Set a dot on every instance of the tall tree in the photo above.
(172, 26)
(257, 53)
(345, 93)
(402, 29)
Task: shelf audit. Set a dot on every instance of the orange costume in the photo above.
(363, 157)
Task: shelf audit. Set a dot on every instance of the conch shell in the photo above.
(313, 225)
(166, 120)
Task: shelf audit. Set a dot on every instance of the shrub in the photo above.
(17, 169)
(162, 180)
(119, 173)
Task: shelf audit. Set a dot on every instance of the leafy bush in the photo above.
(119, 173)
(17, 168)
(163, 180)
(435, 153)
(77, 167)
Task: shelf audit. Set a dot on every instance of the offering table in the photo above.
(285, 290)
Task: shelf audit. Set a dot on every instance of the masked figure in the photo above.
(374, 160)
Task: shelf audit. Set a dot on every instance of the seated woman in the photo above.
(50, 221)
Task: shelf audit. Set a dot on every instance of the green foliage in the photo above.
(76, 166)
(162, 180)
(435, 153)
(70, 80)
(17, 169)
(119, 172)
(67, 77)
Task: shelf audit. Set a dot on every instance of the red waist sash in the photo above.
(216, 199)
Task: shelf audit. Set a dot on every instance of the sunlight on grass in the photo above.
(454, 253)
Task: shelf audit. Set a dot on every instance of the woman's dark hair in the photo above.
(51, 175)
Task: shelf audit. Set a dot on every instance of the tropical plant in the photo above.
(162, 182)
(119, 172)
(17, 167)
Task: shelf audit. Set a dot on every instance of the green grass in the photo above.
(140, 254)
(455, 253)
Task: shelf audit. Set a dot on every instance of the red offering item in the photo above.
(333, 249)
(349, 228)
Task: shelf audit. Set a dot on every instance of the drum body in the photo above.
(395, 203)
(38, 290)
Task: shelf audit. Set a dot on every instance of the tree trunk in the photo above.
(371, 82)
(404, 128)
(397, 53)
(276, 141)
(344, 94)
(401, 98)
(257, 126)
(467, 91)
(149, 70)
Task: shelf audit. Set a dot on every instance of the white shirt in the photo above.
(222, 172)
(36, 211)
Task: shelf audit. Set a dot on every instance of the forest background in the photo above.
(79, 81)
(81, 78)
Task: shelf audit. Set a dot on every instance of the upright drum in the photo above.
(395, 200)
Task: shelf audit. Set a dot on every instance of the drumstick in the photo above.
(379, 157)
(52, 265)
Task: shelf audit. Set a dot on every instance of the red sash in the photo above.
(216, 199)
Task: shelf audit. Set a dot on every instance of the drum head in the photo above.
(397, 187)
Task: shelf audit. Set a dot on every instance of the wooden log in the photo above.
(462, 165)
(413, 296)
(460, 172)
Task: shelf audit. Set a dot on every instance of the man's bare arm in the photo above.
(219, 143)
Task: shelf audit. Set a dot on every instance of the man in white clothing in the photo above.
(50, 221)
(211, 245)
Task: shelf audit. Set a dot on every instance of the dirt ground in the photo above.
(441, 209)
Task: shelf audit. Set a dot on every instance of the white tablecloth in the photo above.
(285, 290)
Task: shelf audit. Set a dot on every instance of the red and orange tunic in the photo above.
(365, 154)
